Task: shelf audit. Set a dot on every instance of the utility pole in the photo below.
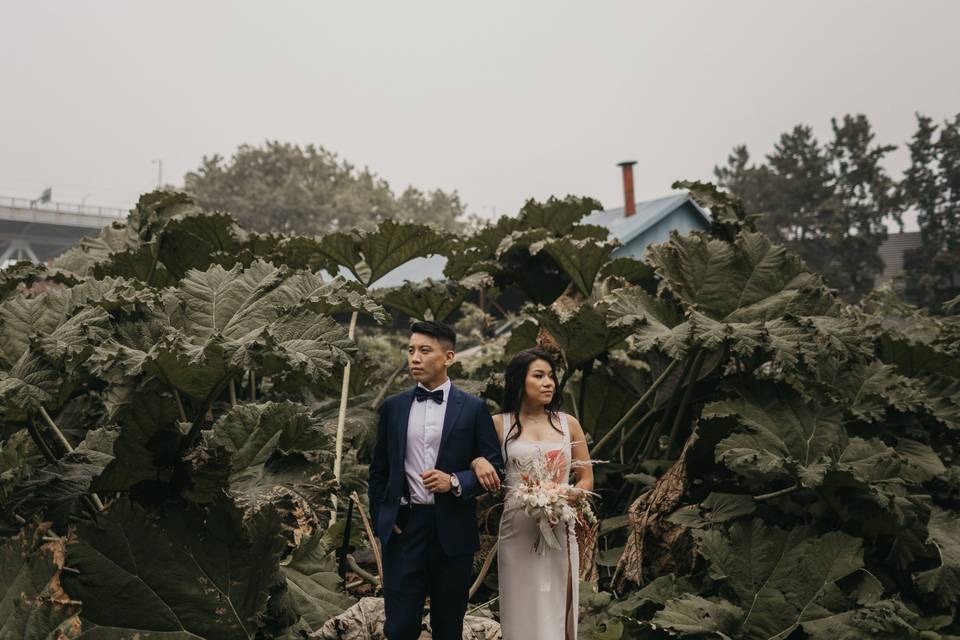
(159, 163)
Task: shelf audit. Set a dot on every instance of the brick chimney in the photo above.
(629, 204)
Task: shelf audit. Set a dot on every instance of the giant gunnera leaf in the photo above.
(199, 574)
(774, 576)
(943, 582)
(784, 435)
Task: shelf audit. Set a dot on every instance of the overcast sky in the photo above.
(498, 100)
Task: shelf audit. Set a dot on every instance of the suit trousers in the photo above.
(415, 566)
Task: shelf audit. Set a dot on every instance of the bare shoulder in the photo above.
(574, 423)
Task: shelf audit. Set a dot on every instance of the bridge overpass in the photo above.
(40, 232)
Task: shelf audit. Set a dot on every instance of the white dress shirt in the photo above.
(424, 429)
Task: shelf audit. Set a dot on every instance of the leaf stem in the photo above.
(253, 386)
(183, 414)
(69, 449)
(487, 563)
(386, 386)
(56, 431)
(366, 575)
(372, 539)
(342, 416)
(776, 494)
(687, 394)
(632, 410)
(233, 393)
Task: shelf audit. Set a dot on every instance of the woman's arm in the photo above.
(485, 472)
(583, 472)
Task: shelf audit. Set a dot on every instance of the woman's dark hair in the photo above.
(514, 386)
(442, 332)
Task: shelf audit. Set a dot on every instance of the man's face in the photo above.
(428, 359)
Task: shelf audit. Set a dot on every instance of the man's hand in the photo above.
(436, 481)
(486, 474)
(396, 529)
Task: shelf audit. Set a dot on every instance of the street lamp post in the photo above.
(159, 163)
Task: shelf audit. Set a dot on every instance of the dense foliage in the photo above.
(779, 463)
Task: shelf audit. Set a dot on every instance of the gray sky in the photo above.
(499, 100)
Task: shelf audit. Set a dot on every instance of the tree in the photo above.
(932, 187)
(829, 203)
(283, 187)
(865, 198)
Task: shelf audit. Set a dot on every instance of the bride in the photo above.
(538, 592)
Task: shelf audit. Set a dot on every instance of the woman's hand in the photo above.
(486, 474)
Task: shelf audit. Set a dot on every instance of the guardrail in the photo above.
(64, 207)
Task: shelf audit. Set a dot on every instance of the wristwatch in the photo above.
(455, 484)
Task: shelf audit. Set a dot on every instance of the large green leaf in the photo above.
(943, 581)
(226, 302)
(882, 620)
(53, 489)
(313, 583)
(427, 300)
(582, 333)
(777, 575)
(274, 451)
(874, 387)
(251, 433)
(785, 436)
(691, 615)
(146, 446)
(196, 576)
(338, 295)
(749, 279)
(370, 255)
(580, 259)
(560, 216)
(727, 215)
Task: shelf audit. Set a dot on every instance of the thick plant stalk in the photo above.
(374, 542)
(357, 569)
(233, 393)
(687, 394)
(386, 387)
(654, 438)
(342, 417)
(632, 410)
(183, 414)
(776, 494)
(253, 386)
(487, 563)
(68, 448)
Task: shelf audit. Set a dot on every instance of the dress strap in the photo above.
(565, 427)
(506, 418)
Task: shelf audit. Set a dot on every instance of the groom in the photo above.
(422, 489)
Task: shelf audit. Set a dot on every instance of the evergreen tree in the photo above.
(828, 203)
(931, 186)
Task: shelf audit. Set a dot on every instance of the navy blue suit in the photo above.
(434, 553)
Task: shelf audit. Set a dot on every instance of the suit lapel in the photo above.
(404, 423)
(451, 415)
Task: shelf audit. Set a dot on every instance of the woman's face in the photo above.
(540, 385)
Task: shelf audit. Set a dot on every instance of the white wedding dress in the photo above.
(538, 593)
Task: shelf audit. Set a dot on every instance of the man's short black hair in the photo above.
(442, 332)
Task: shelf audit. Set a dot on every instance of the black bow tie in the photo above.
(422, 394)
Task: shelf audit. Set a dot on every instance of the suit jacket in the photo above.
(467, 433)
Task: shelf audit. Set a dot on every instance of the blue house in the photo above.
(651, 222)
